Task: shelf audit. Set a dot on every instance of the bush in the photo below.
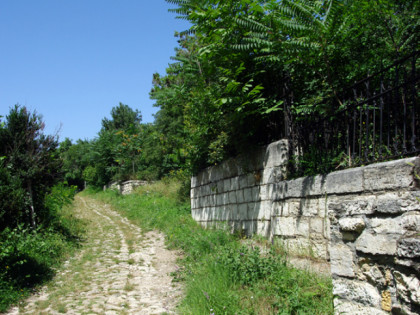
(28, 256)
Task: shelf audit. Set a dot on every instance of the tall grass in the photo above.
(221, 276)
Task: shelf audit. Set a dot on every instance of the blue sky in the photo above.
(73, 60)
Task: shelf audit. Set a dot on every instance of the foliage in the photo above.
(28, 171)
(28, 256)
(247, 68)
(123, 118)
(219, 274)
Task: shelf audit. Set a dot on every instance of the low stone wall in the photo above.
(126, 187)
(364, 221)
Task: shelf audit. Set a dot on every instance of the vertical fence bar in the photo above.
(395, 110)
(381, 114)
(367, 122)
(404, 93)
(413, 104)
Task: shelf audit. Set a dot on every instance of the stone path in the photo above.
(120, 270)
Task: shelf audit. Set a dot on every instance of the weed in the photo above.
(218, 273)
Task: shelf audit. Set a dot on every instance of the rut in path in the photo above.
(119, 270)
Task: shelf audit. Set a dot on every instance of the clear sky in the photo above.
(73, 60)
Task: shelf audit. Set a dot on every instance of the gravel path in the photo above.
(120, 270)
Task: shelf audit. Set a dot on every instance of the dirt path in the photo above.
(119, 271)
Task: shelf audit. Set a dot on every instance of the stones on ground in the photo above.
(119, 271)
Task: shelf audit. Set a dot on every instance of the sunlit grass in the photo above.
(251, 283)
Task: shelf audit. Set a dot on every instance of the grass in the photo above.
(29, 258)
(220, 275)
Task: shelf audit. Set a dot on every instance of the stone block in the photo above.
(196, 214)
(219, 200)
(243, 212)
(327, 229)
(352, 206)
(232, 196)
(263, 228)
(265, 208)
(350, 308)
(293, 188)
(284, 226)
(248, 197)
(226, 185)
(220, 186)
(341, 259)
(387, 206)
(291, 208)
(276, 154)
(314, 186)
(234, 183)
(386, 226)
(194, 181)
(249, 227)
(277, 208)
(234, 212)
(302, 227)
(409, 247)
(251, 179)
(243, 181)
(411, 221)
(317, 226)
(390, 175)
(377, 244)
(230, 168)
(215, 173)
(356, 225)
(255, 193)
(240, 196)
(410, 201)
(194, 204)
(319, 249)
(220, 214)
(203, 177)
(360, 292)
(225, 198)
(253, 210)
(299, 246)
(264, 192)
(408, 287)
(272, 175)
(346, 181)
(309, 207)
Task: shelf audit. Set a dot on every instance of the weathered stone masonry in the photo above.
(364, 221)
(126, 187)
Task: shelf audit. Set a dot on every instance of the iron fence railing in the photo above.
(378, 119)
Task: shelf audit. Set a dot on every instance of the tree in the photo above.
(31, 165)
(123, 118)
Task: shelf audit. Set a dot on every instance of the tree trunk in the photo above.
(31, 205)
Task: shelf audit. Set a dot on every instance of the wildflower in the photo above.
(206, 295)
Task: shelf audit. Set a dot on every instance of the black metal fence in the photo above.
(378, 119)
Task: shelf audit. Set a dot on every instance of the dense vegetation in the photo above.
(221, 274)
(240, 73)
(36, 232)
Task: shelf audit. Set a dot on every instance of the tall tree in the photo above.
(31, 162)
(123, 117)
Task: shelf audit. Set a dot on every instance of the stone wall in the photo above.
(126, 187)
(364, 221)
